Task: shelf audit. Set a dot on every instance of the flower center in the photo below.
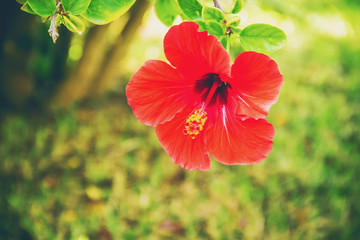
(212, 89)
(195, 123)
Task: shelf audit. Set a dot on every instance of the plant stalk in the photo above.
(217, 5)
(53, 31)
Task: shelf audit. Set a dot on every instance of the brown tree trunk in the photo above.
(77, 85)
(98, 67)
(110, 70)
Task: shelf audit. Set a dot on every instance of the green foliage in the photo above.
(43, 7)
(96, 11)
(224, 41)
(258, 37)
(262, 38)
(212, 27)
(211, 13)
(26, 8)
(102, 12)
(236, 32)
(72, 12)
(74, 24)
(166, 11)
(191, 8)
(237, 6)
(75, 7)
(232, 20)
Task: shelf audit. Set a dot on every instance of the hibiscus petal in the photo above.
(256, 82)
(195, 53)
(156, 92)
(187, 152)
(234, 141)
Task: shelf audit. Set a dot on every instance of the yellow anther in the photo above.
(195, 123)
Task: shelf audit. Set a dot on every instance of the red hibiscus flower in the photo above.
(201, 104)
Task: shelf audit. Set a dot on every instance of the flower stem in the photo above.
(228, 29)
(217, 5)
(228, 43)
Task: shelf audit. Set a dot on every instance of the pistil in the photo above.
(211, 93)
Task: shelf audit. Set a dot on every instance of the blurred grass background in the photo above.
(94, 172)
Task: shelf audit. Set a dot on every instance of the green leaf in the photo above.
(211, 13)
(166, 11)
(236, 30)
(21, 1)
(237, 6)
(234, 39)
(191, 8)
(223, 41)
(26, 8)
(75, 7)
(212, 27)
(43, 7)
(74, 24)
(232, 20)
(102, 12)
(262, 38)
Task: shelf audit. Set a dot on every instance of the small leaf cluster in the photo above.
(73, 13)
(262, 38)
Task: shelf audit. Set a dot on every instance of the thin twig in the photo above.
(228, 29)
(53, 28)
(217, 5)
(53, 32)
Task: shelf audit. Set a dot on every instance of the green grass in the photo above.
(96, 172)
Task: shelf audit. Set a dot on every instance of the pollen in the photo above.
(195, 123)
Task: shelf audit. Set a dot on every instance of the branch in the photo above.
(217, 5)
(53, 31)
